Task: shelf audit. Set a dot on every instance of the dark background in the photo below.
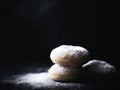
(32, 28)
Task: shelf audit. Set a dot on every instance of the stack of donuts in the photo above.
(68, 61)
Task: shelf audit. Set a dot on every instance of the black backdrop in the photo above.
(32, 28)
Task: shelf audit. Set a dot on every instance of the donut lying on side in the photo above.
(98, 69)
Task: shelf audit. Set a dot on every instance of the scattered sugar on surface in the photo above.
(33, 78)
(42, 81)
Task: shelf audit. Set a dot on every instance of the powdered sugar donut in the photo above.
(61, 73)
(99, 67)
(68, 55)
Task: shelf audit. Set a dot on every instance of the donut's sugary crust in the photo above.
(61, 73)
(68, 55)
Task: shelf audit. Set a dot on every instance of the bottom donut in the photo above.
(61, 73)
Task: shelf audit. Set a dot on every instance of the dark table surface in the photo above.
(35, 77)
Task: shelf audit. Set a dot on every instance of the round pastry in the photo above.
(98, 69)
(68, 55)
(61, 73)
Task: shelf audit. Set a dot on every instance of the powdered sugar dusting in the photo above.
(33, 78)
(43, 82)
(70, 49)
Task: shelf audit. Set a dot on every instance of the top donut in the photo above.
(69, 55)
